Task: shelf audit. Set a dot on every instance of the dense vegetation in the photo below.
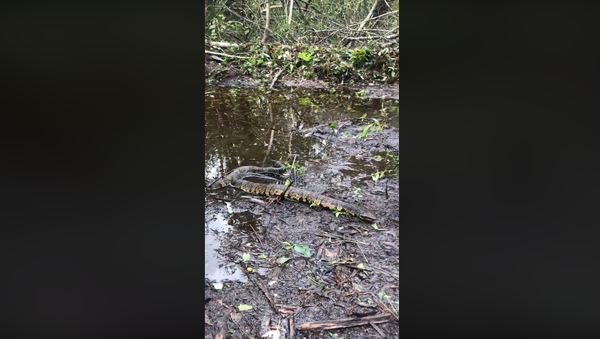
(337, 41)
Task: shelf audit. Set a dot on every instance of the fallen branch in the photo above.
(226, 55)
(267, 295)
(220, 44)
(275, 78)
(377, 329)
(362, 24)
(344, 323)
(254, 200)
(291, 327)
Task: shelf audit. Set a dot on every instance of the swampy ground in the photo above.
(288, 267)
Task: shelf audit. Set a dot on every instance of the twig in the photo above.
(275, 78)
(254, 200)
(220, 44)
(269, 298)
(329, 235)
(363, 253)
(385, 14)
(377, 329)
(379, 270)
(272, 133)
(257, 236)
(291, 326)
(387, 196)
(344, 323)
(246, 19)
(392, 311)
(362, 38)
(362, 24)
(239, 327)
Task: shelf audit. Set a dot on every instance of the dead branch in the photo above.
(267, 295)
(362, 24)
(291, 326)
(246, 19)
(344, 323)
(220, 44)
(226, 55)
(377, 329)
(275, 78)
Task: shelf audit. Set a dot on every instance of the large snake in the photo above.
(237, 179)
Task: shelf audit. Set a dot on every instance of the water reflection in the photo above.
(245, 126)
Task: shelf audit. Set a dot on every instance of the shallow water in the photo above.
(247, 126)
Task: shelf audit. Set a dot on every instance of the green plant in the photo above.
(357, 195)
(360, 94)
(377, 175)
(338, 212)
(366, 129)
(360, 56)
(305, 56)
(295, 167)
(303, 250)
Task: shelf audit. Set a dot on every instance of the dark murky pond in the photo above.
(247, 126)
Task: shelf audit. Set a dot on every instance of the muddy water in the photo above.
(247, 126)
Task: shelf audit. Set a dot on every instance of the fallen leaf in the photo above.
(243, 307)
(274, 334)
(330, 254)
(282, 260)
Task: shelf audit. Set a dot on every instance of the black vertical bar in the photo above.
(100, 170)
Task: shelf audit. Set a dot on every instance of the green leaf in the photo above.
(365, 131)
(282, 260)
(243, 307)
(381, 294)
(262, 256)
(304, 101)
(361, 266)
(305, 56)
(374, 225)
(302, 250)
(218, 286)
(246, 256)
(333, 124)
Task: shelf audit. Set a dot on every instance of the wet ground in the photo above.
(299, 266)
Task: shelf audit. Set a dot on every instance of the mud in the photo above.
(352, 270)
